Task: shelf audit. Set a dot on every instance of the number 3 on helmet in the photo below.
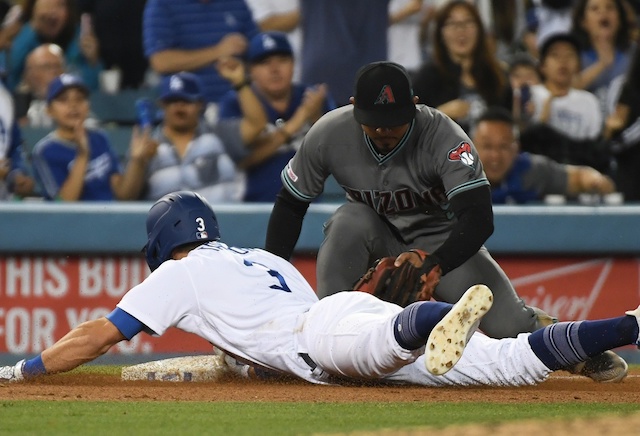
(177, 219)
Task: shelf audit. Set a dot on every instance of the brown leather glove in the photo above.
(410, 277)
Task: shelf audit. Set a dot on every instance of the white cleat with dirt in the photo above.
(447, 340)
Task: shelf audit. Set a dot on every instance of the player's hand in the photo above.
(313, 101)
(456, 109)
(12, 373)
(430, 271)
(614, 123)
(142, 147)
(605, 51)
(233, 44)
(23, 185)
(232, 69)
(5, 167)
(414, 257)
(595, 181)
(89, 47)
(80, 138)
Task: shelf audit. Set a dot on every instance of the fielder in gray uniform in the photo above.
(413, 179)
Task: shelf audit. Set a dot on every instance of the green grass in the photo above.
(241, 418)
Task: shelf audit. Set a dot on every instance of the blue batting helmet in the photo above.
(177, 219)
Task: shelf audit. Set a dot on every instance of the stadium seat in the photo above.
(31, 135)
(119, 138)
(118, 108)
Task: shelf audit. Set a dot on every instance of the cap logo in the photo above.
(176, 84)
(385, 96)
(67, 79)
(268, 42)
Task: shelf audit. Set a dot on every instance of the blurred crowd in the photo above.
(222, 92)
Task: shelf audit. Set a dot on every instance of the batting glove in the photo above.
(12, 373)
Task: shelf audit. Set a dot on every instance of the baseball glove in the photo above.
(414, 279)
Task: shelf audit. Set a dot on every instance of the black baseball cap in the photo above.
(558, 37)
(383, 95)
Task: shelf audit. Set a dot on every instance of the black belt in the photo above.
(308, 360)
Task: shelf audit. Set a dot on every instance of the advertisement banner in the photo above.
(42, 298)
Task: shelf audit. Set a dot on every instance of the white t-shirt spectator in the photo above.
(576, 114)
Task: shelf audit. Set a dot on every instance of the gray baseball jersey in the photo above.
(410, 189)
(410, 186)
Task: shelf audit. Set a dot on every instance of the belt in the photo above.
(308, 360)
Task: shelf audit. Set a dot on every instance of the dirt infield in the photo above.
(560, 388)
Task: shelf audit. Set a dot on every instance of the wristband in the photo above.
(239, 86)
(33, 367)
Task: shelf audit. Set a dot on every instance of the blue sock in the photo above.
(33, 367)
(563, 344)
(413, 325)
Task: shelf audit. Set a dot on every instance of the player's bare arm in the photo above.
(83, 344)
(174, 60)
(254, 119)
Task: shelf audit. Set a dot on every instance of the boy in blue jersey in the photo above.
(74, 163)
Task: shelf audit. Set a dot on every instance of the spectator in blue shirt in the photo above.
(191, 35)
(291, 109)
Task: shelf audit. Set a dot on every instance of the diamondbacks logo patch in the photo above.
(385, 96)
(462, 153)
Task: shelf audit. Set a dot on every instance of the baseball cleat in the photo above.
(449, 337)
(606, 367)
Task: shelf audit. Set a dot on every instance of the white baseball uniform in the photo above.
(258, 307)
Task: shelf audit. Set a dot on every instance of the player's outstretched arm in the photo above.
(83, 344)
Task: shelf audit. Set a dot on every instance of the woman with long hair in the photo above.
(463, 77)
(604, 35)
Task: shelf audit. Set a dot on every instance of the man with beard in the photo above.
(190, 154)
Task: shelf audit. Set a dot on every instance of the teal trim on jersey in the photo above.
(467, 186)
(289, 185)
(382, 158)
